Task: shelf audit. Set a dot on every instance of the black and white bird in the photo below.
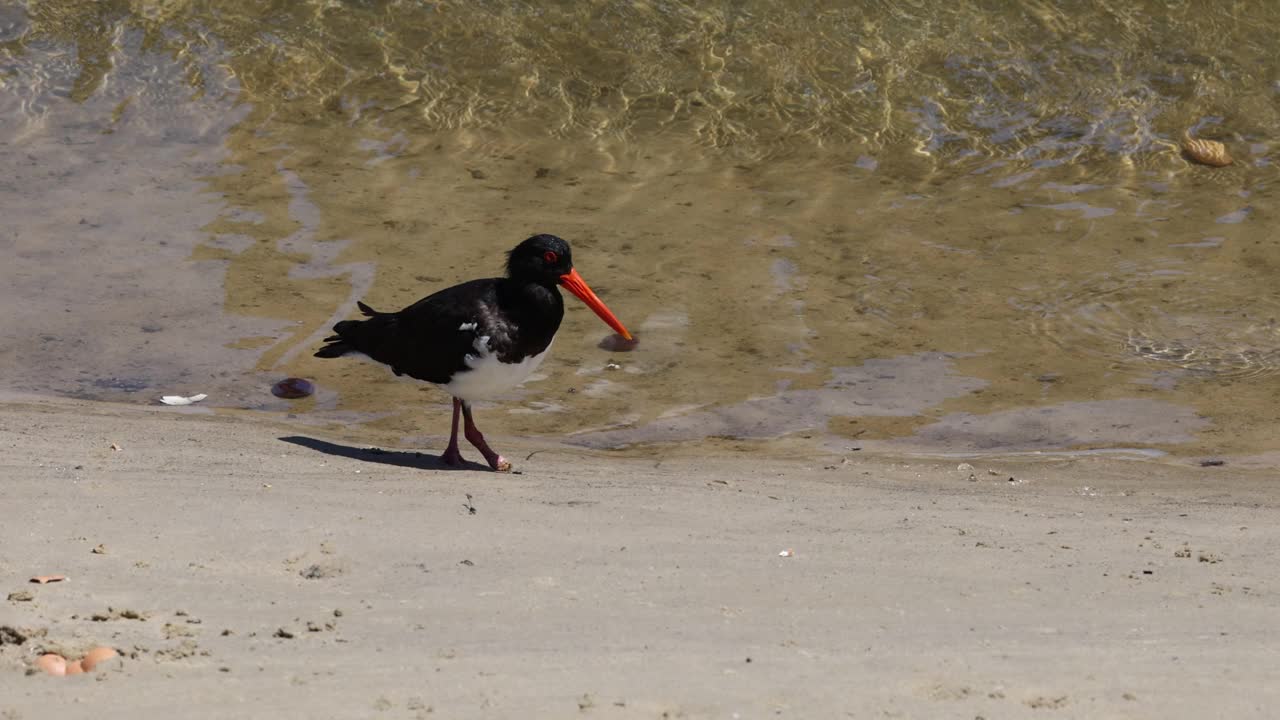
(478, 339)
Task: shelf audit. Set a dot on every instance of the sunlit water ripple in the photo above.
(903, 226)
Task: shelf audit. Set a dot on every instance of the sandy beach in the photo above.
(953, 391)
(245, 569)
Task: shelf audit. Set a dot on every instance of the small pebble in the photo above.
(617, 343)
(1205, 152)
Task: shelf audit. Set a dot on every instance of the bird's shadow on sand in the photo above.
(400, 458)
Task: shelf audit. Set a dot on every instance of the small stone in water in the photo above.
(617, 343)
(1205, 152)
(293, 388)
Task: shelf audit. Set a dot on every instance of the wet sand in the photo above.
(248, 570)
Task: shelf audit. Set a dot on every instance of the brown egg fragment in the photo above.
(1205, 152)
(95, 656)
(52, 663)
(42, 579)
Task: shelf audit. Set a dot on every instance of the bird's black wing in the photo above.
(429, 340)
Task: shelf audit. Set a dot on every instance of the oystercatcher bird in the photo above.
(478, 339)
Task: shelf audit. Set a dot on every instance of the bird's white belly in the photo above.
(487, 376)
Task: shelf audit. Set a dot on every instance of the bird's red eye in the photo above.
(550, 257)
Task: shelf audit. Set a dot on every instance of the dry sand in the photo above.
(245, 575)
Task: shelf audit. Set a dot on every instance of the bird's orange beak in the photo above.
(574, 283)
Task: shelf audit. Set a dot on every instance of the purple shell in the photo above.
(293, 388)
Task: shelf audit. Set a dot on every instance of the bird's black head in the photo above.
(546, 260)
(543, 259)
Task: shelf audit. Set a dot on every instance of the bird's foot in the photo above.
(496, 461)
(476, 438)
(452, 457)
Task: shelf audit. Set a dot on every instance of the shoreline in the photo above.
(277, 571)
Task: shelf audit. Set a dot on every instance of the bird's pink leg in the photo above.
(451, 455)
(496, 461)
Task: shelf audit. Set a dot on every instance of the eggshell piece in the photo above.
(52, 664)
(95, 656)
(74, 668)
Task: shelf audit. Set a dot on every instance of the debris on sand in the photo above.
(12, 636)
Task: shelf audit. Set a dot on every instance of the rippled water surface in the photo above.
(901, 226)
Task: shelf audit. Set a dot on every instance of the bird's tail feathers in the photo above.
(356, 335)
(335, 345)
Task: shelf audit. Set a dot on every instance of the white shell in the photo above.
(180, 400)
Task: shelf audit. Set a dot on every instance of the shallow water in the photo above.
(894, 226)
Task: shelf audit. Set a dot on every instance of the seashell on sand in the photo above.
(1205, 152)
(293, 388)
